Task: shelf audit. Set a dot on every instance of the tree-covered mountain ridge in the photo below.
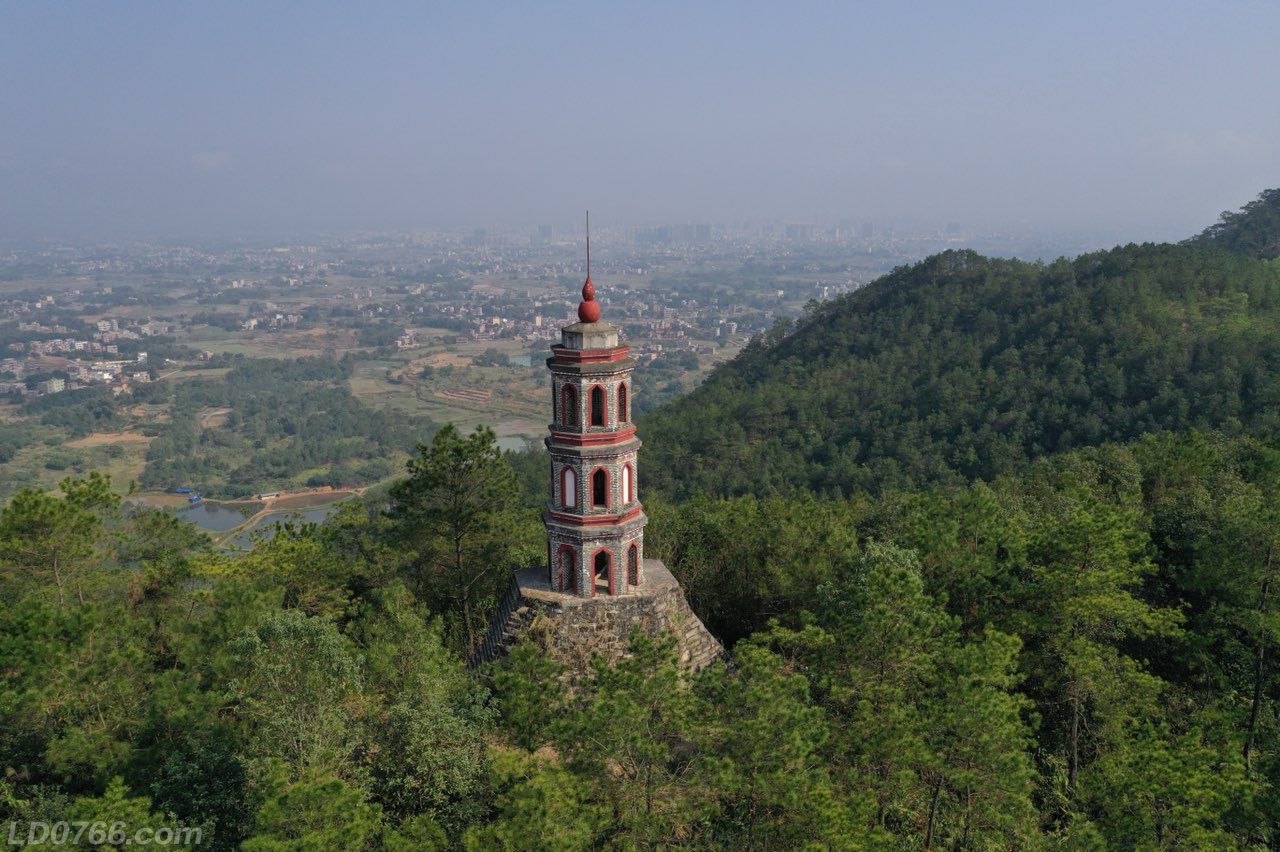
(1253, 230)
(962, 366)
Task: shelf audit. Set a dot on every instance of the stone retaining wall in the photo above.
(572, 629)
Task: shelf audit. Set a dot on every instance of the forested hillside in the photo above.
(1078, 657)
(280, 419)
(963, 367)
(1254, 230)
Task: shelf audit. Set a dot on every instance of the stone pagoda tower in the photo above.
(595, 523)
(596, 586)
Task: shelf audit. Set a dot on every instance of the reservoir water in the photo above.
(215, 517)
(266, 524)
(515, 443)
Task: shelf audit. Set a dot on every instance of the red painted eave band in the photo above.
(593, 439)
(617, 353)
(596, 520)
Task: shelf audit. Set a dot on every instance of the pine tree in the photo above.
(1079, 609)
(765, 758)
(633, 732)
(454, 514)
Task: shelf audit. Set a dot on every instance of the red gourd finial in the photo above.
(589, 308)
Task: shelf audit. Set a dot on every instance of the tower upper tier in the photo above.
(585, 336)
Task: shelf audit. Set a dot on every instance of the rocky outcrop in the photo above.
(572, 629)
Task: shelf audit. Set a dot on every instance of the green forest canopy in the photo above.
(1080, 656)
(963, 366)
(1254, 230)
(283, 417)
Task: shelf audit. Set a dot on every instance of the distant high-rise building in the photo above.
(673, 235)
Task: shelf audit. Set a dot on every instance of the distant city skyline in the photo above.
(1138, 121)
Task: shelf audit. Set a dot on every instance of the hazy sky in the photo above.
(184, 120)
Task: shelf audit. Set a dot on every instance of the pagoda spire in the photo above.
(589, 308)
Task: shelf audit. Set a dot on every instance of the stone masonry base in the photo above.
(573, 628)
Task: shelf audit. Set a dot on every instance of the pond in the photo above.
(266, 524)
(216, 517)
(515, 443)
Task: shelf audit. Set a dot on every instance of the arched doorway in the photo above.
(568, 488)
(569, 407)
(600, 488)
(633, 566)
(566, 572)
(602, 573)
(597, 406)
(622, 404)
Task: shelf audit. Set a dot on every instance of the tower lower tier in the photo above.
(595, 556)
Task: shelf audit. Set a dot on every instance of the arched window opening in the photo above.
(567, 577)
(633, 565)
(597, 406)
(600, 487)
(623, 414)
(602, 573)
(569, 407)
(568, 488)
(628, 485)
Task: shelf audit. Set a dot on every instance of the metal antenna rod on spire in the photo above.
(588, 243)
